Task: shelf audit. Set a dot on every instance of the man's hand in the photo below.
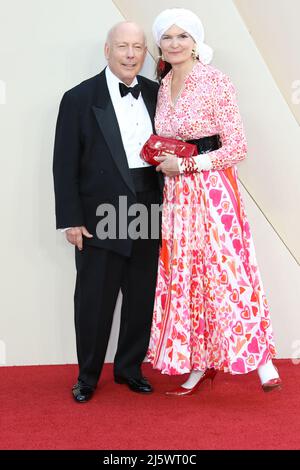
(168, 164)
(74, 236)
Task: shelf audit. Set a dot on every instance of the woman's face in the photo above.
(177, 45)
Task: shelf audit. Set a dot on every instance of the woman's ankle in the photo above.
(193, 379)
(267, 372)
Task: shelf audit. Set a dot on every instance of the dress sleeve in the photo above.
(66, 165)
(194, 164)
(229, 122)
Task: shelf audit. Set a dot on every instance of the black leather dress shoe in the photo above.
(136, 385)
(82, 392)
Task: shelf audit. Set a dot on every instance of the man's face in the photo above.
(125, 52)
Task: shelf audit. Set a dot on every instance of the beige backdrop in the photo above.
(48, 47)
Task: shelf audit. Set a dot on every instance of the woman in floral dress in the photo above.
(210, 311)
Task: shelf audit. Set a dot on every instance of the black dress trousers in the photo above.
(100, 276)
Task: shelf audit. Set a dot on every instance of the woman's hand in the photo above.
(168, 164)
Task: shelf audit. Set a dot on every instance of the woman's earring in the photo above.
(194, 54)
(161, 64)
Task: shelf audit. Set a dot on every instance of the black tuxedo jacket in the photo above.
(90, 165)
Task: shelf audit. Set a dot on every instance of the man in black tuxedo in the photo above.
(101, 127)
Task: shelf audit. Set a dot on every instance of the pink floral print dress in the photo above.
(210, 307)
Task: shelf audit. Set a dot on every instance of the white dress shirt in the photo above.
(133, 119)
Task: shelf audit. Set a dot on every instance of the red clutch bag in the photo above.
(156, 145)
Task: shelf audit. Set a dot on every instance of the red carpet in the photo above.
(38, 412)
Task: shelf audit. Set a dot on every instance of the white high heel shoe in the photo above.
(269, 377)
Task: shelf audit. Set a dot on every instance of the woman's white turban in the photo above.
(189, 22)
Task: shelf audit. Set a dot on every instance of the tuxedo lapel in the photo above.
(108, 123)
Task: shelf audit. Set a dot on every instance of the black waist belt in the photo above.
(207, 144)
(144, 179)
